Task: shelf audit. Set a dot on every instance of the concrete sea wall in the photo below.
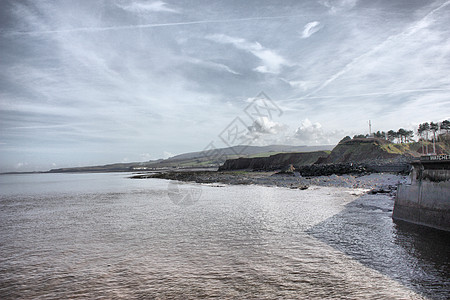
(425, 203)
(426, 200)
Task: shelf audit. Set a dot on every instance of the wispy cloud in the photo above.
(304, 85)
(310, 29)
(272, 62)
(336, 6)
(212, 65)
(143, 26)
(110, 89)
(390, 43)
(148, 6)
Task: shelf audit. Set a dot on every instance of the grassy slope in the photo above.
(415, 148)
(359, 150)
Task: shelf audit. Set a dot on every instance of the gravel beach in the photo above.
(375, 182)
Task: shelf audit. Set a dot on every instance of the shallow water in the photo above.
(107, 236)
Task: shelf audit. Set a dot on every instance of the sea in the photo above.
(106, 236)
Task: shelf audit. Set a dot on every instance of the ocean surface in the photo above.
(107, 236)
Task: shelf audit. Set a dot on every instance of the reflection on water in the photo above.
(431, 250)
(414, 255)
(105, 236)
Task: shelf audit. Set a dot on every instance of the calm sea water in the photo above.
(107, 236)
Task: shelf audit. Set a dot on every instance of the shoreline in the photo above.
(384, 183)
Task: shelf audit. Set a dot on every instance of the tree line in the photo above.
(434, 129)
(426, 128)
(428, 131)
(401, 136)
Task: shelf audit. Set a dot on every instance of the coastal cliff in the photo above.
(352, 156)
(274, 162)
(362, 150)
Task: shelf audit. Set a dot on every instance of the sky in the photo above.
(88, 82)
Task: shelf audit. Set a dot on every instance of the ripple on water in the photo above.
(128, 240)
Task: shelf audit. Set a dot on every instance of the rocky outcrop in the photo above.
(330, 169)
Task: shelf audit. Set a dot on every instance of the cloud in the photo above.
(145, 6)
(167, 155)
(44, 30)
(300, 84)
(265, 131)
(263, 125)
(272, 62)
(310, 29)
(21, 165)
(389, 49)
(336, 6)
(120, 85)
(312, 133)
(145, 156)
(211, 65)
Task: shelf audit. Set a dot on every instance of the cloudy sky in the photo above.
(87, 82)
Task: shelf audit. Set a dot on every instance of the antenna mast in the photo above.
(370, 128)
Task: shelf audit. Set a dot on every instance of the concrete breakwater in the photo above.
(425, 199)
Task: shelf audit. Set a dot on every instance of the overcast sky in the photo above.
(87, 82)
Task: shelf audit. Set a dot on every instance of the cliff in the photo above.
(363, 150)
(347, 157)
(274, 162)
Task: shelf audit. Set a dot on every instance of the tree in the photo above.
(426, 128)
(359, 136)
(345, 139)
(401, 133)
(434, 127)
(392, 135)
(445, 125)
(380, 134)
(420, 132)
(409, 135)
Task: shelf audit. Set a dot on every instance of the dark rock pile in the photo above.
(330, 169)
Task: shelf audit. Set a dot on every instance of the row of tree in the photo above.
(437, 128)
(401, 135)
(428, 131)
